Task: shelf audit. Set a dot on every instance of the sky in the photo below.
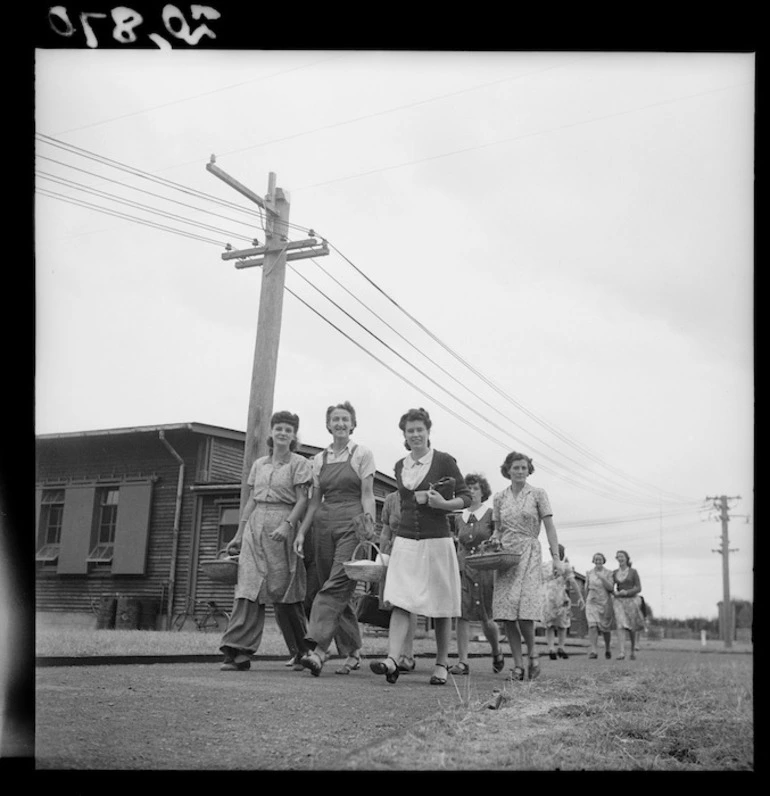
(552, 252)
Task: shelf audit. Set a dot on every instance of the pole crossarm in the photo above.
(320, 251)
(233, 183)
(240, 253)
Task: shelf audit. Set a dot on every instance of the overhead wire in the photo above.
(306, 229)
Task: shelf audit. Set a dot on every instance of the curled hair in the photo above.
(628, 557)
(513, 456)
(477, 478)
(290, 420)
(415, 416)
(604, 558)
(345, 406)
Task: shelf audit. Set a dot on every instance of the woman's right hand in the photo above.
(421, 496)
(299, 544)
(234, 545)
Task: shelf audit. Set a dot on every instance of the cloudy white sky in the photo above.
(572, 233)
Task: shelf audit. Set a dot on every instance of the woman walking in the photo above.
(599, 612)
(423, 575)
(343, 489)
(625, 603)
(474, 526)
(557, 604)
(269, 569)
(517, 513)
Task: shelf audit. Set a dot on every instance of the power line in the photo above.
(195, 96)
(125, 216)
(476, 372)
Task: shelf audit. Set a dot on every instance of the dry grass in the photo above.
(698, 718)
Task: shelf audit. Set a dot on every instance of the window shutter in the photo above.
(77, 524)
(38, 504)
(132, 529)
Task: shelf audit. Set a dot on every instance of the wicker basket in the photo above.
(496, 559)
(364, 568)
(223, 570)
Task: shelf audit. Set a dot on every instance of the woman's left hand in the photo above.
(281, 532)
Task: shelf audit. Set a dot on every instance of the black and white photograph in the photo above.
(394, 409)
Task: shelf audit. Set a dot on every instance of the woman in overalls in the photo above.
(343, 487)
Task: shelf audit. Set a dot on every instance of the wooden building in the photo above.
(125, 516)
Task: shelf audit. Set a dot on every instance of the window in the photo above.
(49, 534)
(103, 551)
(229, 516)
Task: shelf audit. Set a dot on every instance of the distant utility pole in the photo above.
(720, 503)
(272, 256)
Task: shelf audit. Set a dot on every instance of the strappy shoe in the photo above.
(435, 679)
(562, 654)
(312, 661)
(621, 657)
(607, 655)
(533, 670)
(498, 663)
(406, 663)
(552, 655)
(632, 656)
(381, 667)
(594, 656)
(347, 668)
(517, 673)
(295, 663)
(460, 668)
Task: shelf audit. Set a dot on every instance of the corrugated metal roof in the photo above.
(196, 428)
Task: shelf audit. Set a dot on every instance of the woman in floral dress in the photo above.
(517, 513)
(557, 605)
(269, 570)
(599, 613)
(626, 603)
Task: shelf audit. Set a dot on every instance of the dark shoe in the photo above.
(633, 656)
(295, 663)
(498, 663)
(607, 655)
(460, 668)
(381, 667)
(435, 679)
(533, 670)
(232, 666)
(593, 655)
(552, 656)
(406, 663)
(517, 673)
(312, 661)
(347, 668)
(562, 654)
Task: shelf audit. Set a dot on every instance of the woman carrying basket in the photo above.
(423, 575)
(343, 490)
(517, 513)
(269, 569)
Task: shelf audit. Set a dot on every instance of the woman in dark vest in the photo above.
(343, 487)
(423, 574)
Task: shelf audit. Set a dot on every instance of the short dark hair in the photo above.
(628, 557)
(604, 558)
(347, 407)
(290, 420)
(414, 416)
(513, 456)
(477, 478)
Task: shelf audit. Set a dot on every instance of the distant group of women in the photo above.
(319, 510)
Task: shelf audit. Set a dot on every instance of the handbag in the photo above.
(445, 487)
(643, 606)
(368, 611)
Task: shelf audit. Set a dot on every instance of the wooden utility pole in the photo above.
(725, 550)
(272, 257)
